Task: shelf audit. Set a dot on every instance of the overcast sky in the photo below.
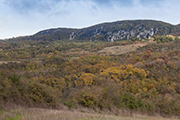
(26, 17)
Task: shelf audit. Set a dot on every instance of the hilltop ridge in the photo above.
(110, 31)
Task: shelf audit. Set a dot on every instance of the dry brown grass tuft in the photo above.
(118, 50)
(80, 114)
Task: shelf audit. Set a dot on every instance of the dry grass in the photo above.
(118, 50)
(5, 62)
(50, 114)
(78, 53)
(173, 37)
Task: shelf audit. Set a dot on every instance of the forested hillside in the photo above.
(114, 31)
(74, 73)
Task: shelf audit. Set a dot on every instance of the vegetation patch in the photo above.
(136, 76)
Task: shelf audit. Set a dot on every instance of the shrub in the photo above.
(15, 78)
(138, 59)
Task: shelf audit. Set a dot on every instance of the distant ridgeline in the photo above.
(120, 30)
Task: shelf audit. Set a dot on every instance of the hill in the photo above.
(137, 76)
(109, 31)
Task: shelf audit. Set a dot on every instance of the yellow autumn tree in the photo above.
(85, 79)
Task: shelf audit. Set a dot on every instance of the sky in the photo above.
(27, 17)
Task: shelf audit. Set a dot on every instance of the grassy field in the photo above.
(118, 50)
(49, 114)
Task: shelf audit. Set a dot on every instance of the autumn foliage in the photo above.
(145, 80)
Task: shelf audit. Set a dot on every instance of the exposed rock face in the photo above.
(72, 36)
(140, 32)
(120, 30)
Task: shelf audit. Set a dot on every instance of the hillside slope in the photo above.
(120, 30)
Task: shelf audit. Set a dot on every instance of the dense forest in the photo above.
(46, 74)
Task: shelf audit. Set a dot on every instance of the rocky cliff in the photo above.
(120, 30)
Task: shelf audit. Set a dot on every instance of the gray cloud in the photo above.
(110, 3)
(151, 1)
(28, 6)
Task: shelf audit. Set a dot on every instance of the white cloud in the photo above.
(80, 13)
